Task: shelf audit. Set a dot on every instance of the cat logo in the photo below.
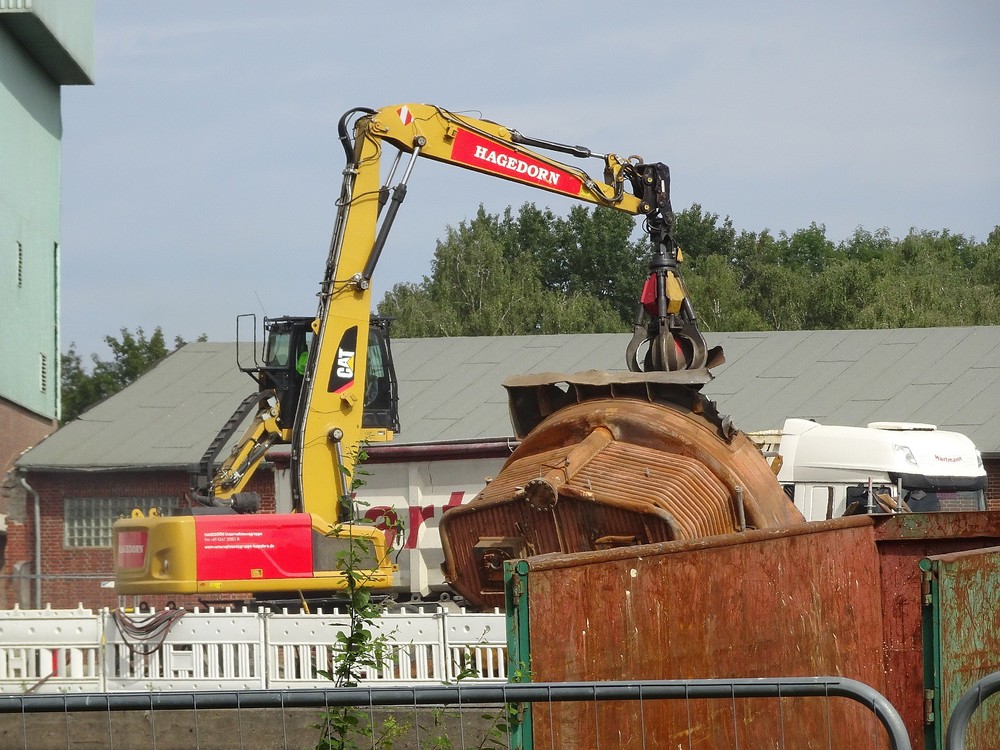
(342, 375)
(344, 369)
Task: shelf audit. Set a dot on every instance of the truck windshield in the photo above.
(922, 501)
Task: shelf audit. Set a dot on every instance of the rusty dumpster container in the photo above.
(846, 597)
(940, 591)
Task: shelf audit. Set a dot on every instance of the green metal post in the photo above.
(515, 577)
(930, 628)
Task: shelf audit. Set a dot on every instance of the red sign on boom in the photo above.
(478, 152)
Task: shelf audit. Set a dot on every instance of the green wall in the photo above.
(44, 44)
(30, 131)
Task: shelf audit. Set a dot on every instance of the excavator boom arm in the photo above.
(490, 148)
(229, 552)
(328, 433)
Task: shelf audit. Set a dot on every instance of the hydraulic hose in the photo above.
(344, 135)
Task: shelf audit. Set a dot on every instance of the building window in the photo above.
(43, 372)
(20, 265)
(87, 520)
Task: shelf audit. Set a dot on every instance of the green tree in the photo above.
(534, 271)
(987, 263)
(530, 233)
(131, 355)
(597, 257)
(931, 278)
(779, 295)
(807, 249)
(866, 246)
(589, 252)
(718, 299)
(840, 296)
(485, 281)
(700, 234)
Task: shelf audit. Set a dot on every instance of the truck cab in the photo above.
(830, 471)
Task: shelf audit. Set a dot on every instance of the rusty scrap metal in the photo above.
(612, 460)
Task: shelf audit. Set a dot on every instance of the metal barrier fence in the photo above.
(51, 651)
(511, 731)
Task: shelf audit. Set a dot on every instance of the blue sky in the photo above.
(200, 172)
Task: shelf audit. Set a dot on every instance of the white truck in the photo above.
(831, 470)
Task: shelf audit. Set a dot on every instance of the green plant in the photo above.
(499, 723)
(361, 648)
(437, 732)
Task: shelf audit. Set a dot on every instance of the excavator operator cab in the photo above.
(286, 357)
(286, 354)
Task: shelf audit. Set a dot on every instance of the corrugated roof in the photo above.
(450, 389)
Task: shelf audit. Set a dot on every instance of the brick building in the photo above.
(44, 45)
(134, 450)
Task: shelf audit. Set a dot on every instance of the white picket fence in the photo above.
(60, 650)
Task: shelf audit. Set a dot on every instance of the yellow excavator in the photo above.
(320, 376)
